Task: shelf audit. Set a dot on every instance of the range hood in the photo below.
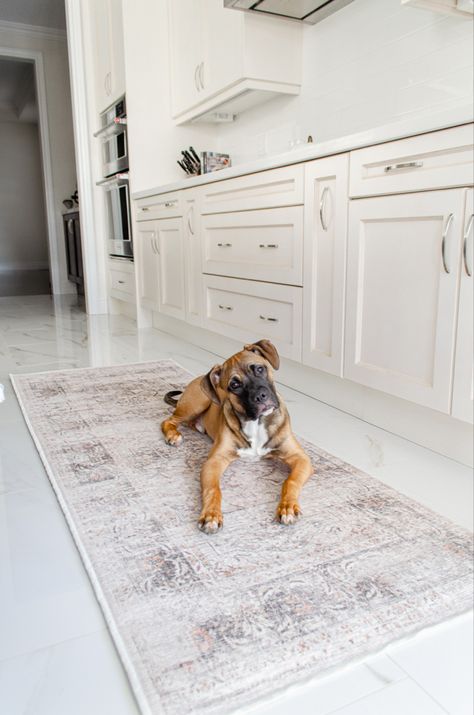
(310, 11)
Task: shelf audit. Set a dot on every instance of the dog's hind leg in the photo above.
(192, 403)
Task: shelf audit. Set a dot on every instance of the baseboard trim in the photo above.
(428, 428)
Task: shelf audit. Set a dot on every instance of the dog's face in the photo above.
(246, 380)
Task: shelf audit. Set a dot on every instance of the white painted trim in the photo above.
(53, 239)
(47, 33)
(93, 257)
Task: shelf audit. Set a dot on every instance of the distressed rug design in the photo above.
(205, 624)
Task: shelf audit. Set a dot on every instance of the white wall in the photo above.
(23, 237)
(155, 141)
(54, 53)
(371, 63)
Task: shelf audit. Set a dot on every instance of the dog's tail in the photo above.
(171, 397)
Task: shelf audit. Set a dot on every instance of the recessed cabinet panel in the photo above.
(246, 310)
(463, 388)
(146, 255)
(403, 258)
(192, 258)
(169, 241)
(260, 245)
(325, 231)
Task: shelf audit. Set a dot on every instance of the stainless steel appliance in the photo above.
(310, 11)
(113, 135)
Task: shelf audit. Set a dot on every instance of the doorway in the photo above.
(24, 251)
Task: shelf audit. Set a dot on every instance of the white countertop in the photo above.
(401, 129)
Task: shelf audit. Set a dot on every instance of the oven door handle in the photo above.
(113, 181)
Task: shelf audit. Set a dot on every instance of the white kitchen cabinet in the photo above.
(192, 257)
(109, 66)
(226, 61)
(463, 387)
(325, 235)
(401, 296)
(264, 245)
(169, 244)
(146, 255)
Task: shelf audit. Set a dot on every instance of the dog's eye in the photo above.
(258, 369)
(234, 385)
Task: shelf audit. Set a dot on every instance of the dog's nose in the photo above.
(261, 395)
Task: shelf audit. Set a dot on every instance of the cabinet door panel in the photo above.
(147, 259)
(186, 48)
(400, 301)
(463, 388)
(171, 267)
(325, 254)
(192, 262)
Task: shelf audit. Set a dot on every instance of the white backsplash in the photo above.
(372, 63)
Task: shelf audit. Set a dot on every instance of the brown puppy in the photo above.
(237, 406)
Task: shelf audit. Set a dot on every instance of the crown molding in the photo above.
(49, 33)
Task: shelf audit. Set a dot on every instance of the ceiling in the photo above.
(45, 13)
(17, 91)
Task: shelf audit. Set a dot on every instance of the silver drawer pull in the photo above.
(145, 208)
(464, 248)
(170, 204)
(268, 245)
(224, 245)
(225, 307)
(270, 320)
(447, 226)
(121, 282)
(404, 165)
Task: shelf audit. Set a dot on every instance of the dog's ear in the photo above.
(266, 349)
(209, 383)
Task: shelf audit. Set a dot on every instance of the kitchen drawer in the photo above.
(436, 160)
(263, 190)
(162, 206)
(259, 245)
(247, 310)
(122, 284)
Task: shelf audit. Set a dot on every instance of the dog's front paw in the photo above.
(211, 521)
(288, 512)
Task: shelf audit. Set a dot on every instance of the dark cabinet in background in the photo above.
(72, 235)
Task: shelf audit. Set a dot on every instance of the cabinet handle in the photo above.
(224, 245)
(170, 204)
(268, 245)
(322, 205)
(144, 208)
(464, 248)
(270, 320)
(225, 307)
(201, 75)
(404, 165)
(70, 225)
(121, 282)
(447, 226)
(196, 83)
(154, 245)
(190, 227)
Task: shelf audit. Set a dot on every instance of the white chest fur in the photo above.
(257, 436)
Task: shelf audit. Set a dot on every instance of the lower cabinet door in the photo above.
(325, 236)
(192, 261)
(463, 387)
(401, 298)
(147, 263)
(169, 240)
(249, 310)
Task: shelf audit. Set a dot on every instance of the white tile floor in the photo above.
(56, 657)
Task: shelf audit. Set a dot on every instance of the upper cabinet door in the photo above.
(402, 284)
(463, 388)
(109, 65)
(171, 267)
(186, 19)
(117, 60)
(222, 48)
(325, 232)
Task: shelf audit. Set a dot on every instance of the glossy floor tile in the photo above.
(56, 657)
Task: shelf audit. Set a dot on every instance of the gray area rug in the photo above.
(205, 624)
